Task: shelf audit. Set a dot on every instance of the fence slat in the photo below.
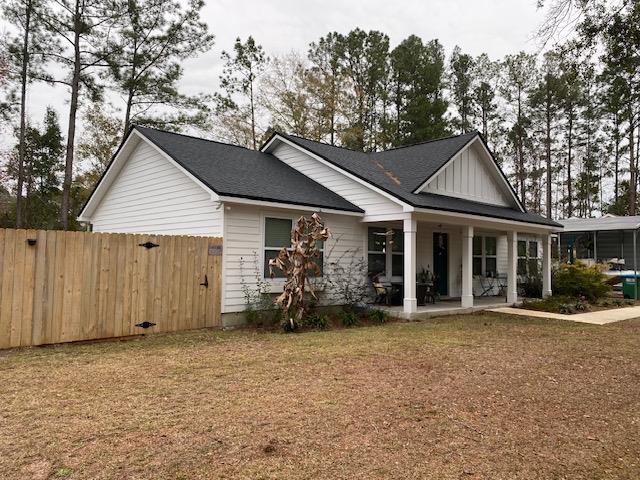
(70, 286)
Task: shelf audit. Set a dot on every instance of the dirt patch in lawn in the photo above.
(481, 396)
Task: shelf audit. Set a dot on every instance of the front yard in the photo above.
(482, 396)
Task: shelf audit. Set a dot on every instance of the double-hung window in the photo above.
(277, 234)
(485, 256)
(377, 251)
(385, 252)
(527, 257)
(397, 254)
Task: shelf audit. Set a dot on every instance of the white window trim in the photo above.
(527, 257)
(263, 220)
(483, 253)
(388, 253)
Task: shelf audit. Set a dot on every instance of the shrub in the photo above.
(557, 304)
(316, 321)
(532, 286)
(578, 280)
(349, 319)
(378, 316)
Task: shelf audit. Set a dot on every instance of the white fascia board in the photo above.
(405, 206)
(501, 177)
(287, 206)
(516, 225)
(118, 162)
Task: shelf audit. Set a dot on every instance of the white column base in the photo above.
(410, 305)
(546, 293)
(466, 301)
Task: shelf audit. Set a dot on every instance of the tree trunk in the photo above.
(569, 161)
(253, 116)
(548, 145)
(633, 182)
(23, 113)
(616, 137)
(71, 132)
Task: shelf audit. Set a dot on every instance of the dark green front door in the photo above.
(441, 262)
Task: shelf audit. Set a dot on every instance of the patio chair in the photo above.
(383, 293)
(486, 285)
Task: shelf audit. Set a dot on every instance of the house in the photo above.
(609, 239)
(449, 206)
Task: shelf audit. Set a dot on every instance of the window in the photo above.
(533, 258)
(522, 257)
(527, 257)
(277, 234)
(377, 253)
(477, 255)
(490, 256)
(485, 256)
(397, 254)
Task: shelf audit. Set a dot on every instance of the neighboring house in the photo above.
(608, 239)
(450, 207)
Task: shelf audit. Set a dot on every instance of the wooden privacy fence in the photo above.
(64, 286)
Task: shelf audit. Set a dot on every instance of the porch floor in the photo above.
(449, 306)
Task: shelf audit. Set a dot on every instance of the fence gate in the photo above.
(65, 286)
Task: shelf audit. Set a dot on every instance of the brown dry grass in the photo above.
(462, 397)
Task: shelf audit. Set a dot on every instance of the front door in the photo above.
(441, 262)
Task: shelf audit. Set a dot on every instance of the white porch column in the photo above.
(512, 267)
(546, 265)
(466, 299)
(409, 230)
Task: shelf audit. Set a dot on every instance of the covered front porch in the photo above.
(469, 264)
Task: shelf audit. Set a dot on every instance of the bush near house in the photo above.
(578, 280)
(576, 288)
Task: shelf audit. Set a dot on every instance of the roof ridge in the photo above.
(326, 143)
(474, 132)
(196, 138)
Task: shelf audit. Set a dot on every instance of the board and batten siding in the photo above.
(244, 249)
(366, 198)
(151, 195)
(470, 176)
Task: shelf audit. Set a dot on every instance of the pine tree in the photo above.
(545, 102)
(237, 105)
(84, 28)
(461, 84)
(519, 73)
(418, 79)
(154, 37)
(24, 63)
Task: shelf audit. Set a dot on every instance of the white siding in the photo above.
(470, 175)
(243, 242)
(151, 195)
(367, 199)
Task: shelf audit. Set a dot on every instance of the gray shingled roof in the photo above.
(235, 171)
(402, 170)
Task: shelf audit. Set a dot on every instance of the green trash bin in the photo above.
(628, 290)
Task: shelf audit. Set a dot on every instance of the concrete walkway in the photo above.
(601, 317)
